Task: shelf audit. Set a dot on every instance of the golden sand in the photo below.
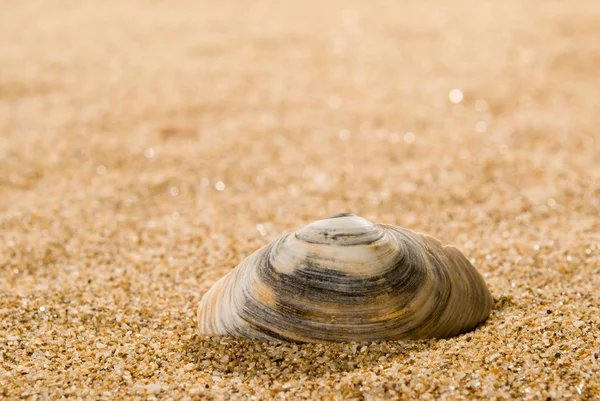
(147, 147)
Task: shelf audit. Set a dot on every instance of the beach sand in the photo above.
(147, 147)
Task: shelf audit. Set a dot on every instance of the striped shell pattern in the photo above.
(344, 278)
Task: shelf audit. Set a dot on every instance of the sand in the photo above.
(147, 147)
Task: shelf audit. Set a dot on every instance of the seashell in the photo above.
(344, 278)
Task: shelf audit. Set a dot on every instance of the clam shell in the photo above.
(346, 279)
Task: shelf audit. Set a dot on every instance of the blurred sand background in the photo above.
(146, 147)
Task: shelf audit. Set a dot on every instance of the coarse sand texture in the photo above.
(148, 147)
